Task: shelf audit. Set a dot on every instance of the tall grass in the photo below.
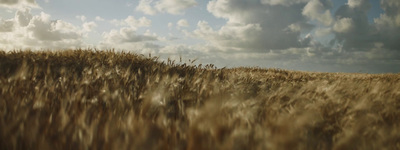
(81, 99)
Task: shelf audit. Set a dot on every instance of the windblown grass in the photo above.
(79, 99)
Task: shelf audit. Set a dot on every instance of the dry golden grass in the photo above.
(79, 99)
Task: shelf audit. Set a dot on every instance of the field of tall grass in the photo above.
(86, 99)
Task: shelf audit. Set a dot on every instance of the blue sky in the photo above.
(307, 35)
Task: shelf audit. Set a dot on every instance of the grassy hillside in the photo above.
(106, 100)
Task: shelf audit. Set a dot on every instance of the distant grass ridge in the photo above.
(84, 99)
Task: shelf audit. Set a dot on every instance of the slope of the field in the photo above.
(106, 100)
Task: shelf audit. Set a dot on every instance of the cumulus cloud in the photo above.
(391, 18)
(98, 18)
(133, 22)
(294, 27)
(89, 26)
(141, 22)
(254, 25)
(364, 4)
(283, 2)
(18, 3)
(126, 35)
(178, 50)
(129, 36)
(145, 7)
(355, 33)
(388, 25)
(290, 34)
(39, 31)
(283, 30)
(23, 17)
(230, 37)
(317, 10)
(182, 23)
(391, 7)
(343, 25)
(81, 17)
(128, 39)
(6, 25)
(300, 27)
(175, 7)
(352, 28)
(358, 42)
(44, 29)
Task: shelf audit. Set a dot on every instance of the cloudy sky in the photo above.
(308, 35)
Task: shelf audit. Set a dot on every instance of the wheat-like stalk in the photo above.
(91, 99)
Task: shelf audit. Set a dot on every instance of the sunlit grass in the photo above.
(79, 99)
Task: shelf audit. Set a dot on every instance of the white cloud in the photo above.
(178, 50)
(299, 27)
(352, 28)
(6, 25)
(126, 35)
(98, 18)
(387, 21)
(18, 3)
(360, 42)
(145, 7)
(224, 9)
(283, 2)
(316, 10)
(139, 47)
(39, 31)
(175, 7)
(254, 25)
(141, 22)
(23, 17)
(358, 3)
(294, 27)
(229, 37)
(89, 26)
(133, 22)
(254, 33)
(182, 23)
(392, 16)
(290, 34)
(355, 33)
(343, 25)
(81, 17)
(127, 39)
(388, 25)
(44, 29)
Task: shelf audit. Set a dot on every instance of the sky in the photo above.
(307, 35)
